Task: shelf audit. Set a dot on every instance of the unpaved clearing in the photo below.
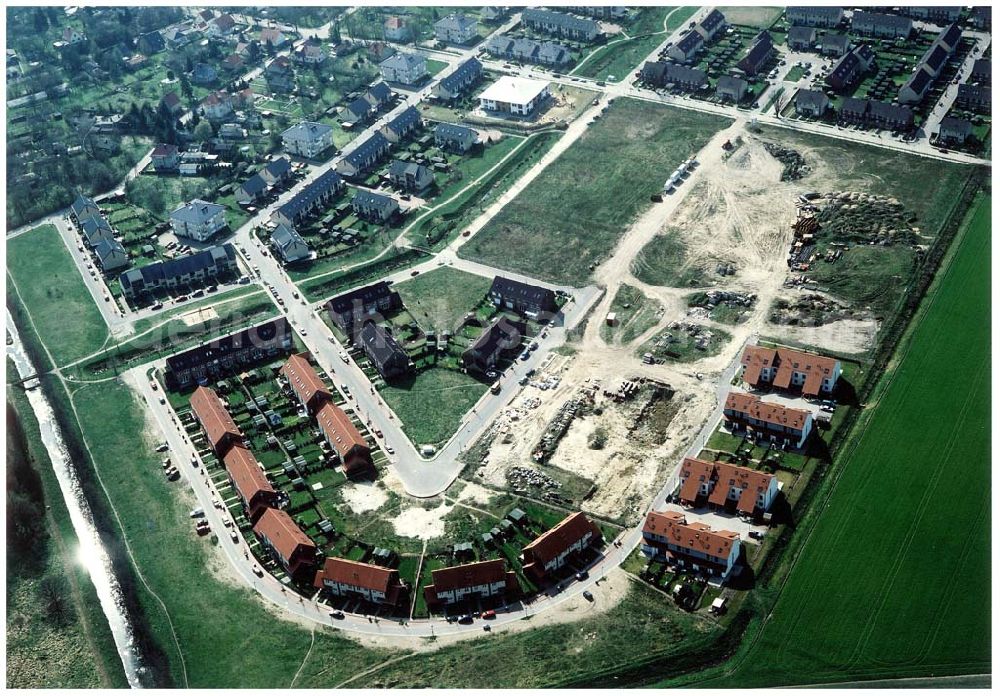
(474, 493)
(199, 316)
(845, 336)
(421, 523)
(363, 496)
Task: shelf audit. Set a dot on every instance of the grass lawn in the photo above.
(563, 223)
(903, 570)
(470, 167)
(49, 284)
(868, 276)
(66, 643)
(634, 314)
(451, 393)
(663, 262)
(621, 58)
(435, 66)
(757, 17)
(440, 299)
(555, 655)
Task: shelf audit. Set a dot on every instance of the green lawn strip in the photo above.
(57, 634)
(903, 569)
(435, 66)
(663, 261)
(439, 300)
(221, 300)
(49, 284)
(558, 654)
(332, 284)
(473, 165)
(562, 224)
(210, 617)
(759, 17)
(634, 314)
(451, 392)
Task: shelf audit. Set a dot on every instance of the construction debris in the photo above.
(809, 310)
(794, 164)
(554, 431)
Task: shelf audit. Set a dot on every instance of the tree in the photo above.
(41, 21)
(203, 131)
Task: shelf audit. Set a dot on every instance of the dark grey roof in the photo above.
(380, 346)
(811, 97)
(355, 301)
(450, 131)
(982, 68)
(551, 52)
(919, 81)
(854, 105)
(405, 121)
(93, 226)
(758, 53)
(368, 149)
(455, 22)
(284, 237)
(370, 199)
(950, 35)
(516, 291)
(728, 82)
(690, 41)
(834, 40)
(380, 92)
(975, 93)
(865, 53)
(890, 112)
(653, 71)
(956, 124)
(360, 108)
(935, 57)
(465, 73)
(825, 10)
(107, 247)
(401, 61)
(276, 330)
(877, 19)
(559, 19)
(197, 212)
(401, 168)
(683, 75)
(501, 333)
(156, 273)
(254, 185)
(845, 69)
(278, 168)
(713, 20)
(801, 34)
(154, 41)
(328, 181)
(308, 130)
(82, 205)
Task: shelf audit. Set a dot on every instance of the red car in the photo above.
(489, 614)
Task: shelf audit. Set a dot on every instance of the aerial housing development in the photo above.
(498, 347)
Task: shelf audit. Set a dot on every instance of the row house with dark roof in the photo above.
(879, 25)
(459, 81)
(289, 245)
(815, 16)
(713, 25)
(669, 537)
(110, 255)
(374, 207)
(200, 268)
(530, 300)
(976, 98)
(403, 125)
(936, 14)
(364, 157)
(454, 138)
(687, 48)
(225, 355)
(313, 198)
(662, 74)
(349, 310)
(560, 24)
(757, 56)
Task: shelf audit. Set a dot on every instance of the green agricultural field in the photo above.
(894, 579)
(575, 211)
(440, 299)
(635, 313)
(57, 635)
(623, 56)
(452, 394)
(41, 272)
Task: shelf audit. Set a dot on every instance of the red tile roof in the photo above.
(468, 575)
(214, 418)
(695, 472)
(304, 381)
(816, 368)
(364, 575)
(749, 406)
(554, 542)
(344, 437)
(164, 150)
(751, 481)
(249, 480)
(286, 538)
(693, 536)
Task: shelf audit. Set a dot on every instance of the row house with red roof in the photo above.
(248, 479)
(344, 438)
(669, 537)
(341, 577)
(219, 428)
(724, 485)
(765, 420)
(789, 370)
(305, 383)
(287, 544)
(553, 549)
(472, 581)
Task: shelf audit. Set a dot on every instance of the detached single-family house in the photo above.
(198, 220)
(395, 29)
(730, 88)
(384, 352)
(276, 171)
(448, 136)
(150, 43)
(280, 75)
(165, 158)
(204, 74)
(374, 206)
(274, 37)
(404, 68)
(251, 190)
(410, 176)
(954, 130)
(289, 245)
(307, 139)
(456, 28)
(216, 106)
(309, 53)
(811, 102)
(173, 103)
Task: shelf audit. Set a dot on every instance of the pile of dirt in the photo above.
(865, 218)
(809, 310)
(793, 164)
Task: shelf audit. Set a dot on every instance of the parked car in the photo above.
(197, 512)
(234, 536)
(489, 614)
(588, 596)
(582, 575)
(337, 614)
(467, 619)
